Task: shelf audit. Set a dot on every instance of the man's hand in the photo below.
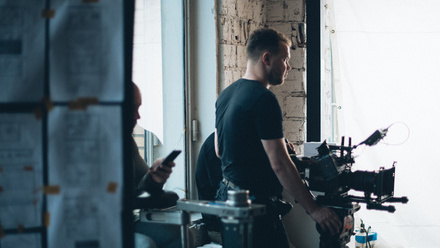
(160, 172)
(290, 148)
(327, 219)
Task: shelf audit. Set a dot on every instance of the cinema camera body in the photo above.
(330, 175)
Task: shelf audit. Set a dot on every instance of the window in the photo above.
(159, 73)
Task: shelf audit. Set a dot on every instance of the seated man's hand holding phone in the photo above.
(161, 169)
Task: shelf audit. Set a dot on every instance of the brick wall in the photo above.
(236, 19)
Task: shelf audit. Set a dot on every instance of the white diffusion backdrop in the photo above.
(389, 63)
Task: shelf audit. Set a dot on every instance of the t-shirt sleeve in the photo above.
(269, 118)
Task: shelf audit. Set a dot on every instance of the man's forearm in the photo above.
(293, 184)
(148, 184)
(287, 173)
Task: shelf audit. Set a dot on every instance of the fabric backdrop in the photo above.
(389, 65)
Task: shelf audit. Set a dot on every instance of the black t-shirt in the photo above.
(246, 113)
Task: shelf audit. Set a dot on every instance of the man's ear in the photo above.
(265, 58)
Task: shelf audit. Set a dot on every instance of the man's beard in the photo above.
(276, 80)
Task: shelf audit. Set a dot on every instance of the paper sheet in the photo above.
(86, 53)
(28, 240)
(22, 33)
(20, 171)
(85, 157)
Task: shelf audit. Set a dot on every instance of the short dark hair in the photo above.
(264, 39)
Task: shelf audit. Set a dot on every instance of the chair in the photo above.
(161, 209)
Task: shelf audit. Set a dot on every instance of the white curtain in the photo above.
(389, 55)
(147, 64)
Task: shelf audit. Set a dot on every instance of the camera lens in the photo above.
(361, 180)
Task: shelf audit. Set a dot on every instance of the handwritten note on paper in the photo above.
(85, 155)
(20, 170)
(21, 50)
(86, 53)
(28, 240)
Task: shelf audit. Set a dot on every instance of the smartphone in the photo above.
(173, 155)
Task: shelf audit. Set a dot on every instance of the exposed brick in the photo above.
(277, 90)
(293, 86)
(275, 11)
(259, 12)
(297, 58)
(236, 31)
(225, 31)
(230, 56)
(295, 107)
(229, 77)
(236, 74)
(294, 10)
(245, 31)
(294, 131)
(297, 75)
(298, 39)
(229, 7)
(284, 27)
(244, 9)
(294, 83)
(241, 56)
(290, 88)
(254, 26)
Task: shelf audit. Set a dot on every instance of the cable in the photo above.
(407, 137)
(380, 134)
(367, 241)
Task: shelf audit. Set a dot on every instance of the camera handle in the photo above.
(390, 208)
(346, 215)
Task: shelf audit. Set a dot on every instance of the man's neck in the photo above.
(253, 73)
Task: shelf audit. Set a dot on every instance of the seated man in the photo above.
(151, 179)
(208, 177)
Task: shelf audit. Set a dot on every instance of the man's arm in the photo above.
(290, 179)
(154, 178)
(160, 172)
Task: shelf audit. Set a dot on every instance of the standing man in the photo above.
(250, 141)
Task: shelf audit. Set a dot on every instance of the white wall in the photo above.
(173, 88)
(202, 77)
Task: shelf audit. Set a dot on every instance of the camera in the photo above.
(330, 175)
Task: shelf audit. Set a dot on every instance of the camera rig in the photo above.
(330, 174)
